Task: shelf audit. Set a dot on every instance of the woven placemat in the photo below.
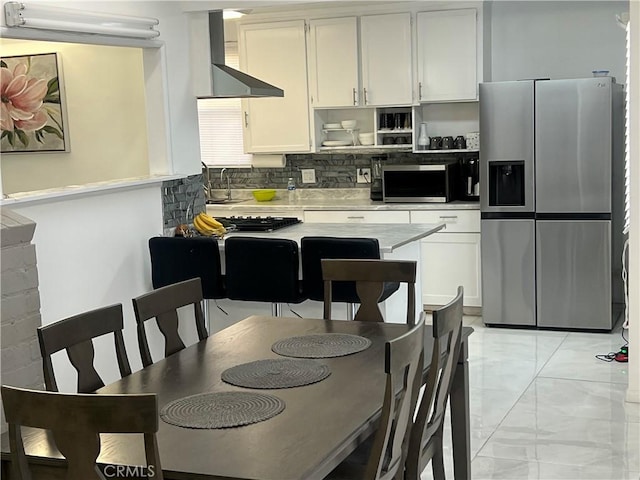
(276, 373)
(221, 409)
(324, 345)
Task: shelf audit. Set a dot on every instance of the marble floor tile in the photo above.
(560, 439)
(580, 399)
(542, 407)
(486, 468)
(576, 359)
(499, 373)
(507, 346)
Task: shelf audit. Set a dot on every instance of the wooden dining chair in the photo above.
(370, 277)
(75, 335)
(162, 304)
(403, 367)
(314, 249)
(425, 442)
(76, 420)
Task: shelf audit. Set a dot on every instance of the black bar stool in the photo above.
(314, 249)
(263, 270)
(175, 259)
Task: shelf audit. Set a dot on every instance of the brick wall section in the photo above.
(20, 310)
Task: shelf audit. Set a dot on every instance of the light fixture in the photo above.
(232, 14)
(44, 17)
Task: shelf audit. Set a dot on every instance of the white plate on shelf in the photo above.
(336, 143)
(332, 126)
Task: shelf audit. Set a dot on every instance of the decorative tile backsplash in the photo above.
(180, 199)
(332, 170)
(183, 197)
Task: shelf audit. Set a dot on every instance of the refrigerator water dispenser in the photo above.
(506, 183)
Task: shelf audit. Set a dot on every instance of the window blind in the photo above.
(220, 125)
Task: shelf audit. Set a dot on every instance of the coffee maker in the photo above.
(469, 187)
(376, 178)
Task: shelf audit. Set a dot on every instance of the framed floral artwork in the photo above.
(33, 117)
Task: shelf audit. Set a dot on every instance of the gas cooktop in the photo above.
(258, 224)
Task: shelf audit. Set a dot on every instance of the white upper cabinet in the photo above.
(333, 62)
(447, 56)
(276, 53)
(386, 59)
(378, 73)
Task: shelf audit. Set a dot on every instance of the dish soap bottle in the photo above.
(291, 190)
(423, 139)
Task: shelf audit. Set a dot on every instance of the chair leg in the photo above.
(205, 313)
(437, 462)
(351, 311)
(276, 309)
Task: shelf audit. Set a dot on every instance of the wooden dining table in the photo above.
(322, 423)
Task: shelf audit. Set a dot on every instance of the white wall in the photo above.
(181, 102)
(106, 119)
(92, 249)
(91, 252)
(556, 39)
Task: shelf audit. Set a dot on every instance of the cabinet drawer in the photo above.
(346, 216)
(455, 220)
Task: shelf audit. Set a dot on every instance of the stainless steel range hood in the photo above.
(226, 81)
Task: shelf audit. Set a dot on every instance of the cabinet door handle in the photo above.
(355, 218)
(445, 217)
(366, 102)
(246, 120)
(419, 90)
(355, 97)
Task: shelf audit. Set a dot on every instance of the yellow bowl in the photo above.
(264, 195)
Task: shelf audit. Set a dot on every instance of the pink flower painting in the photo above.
(31, 115)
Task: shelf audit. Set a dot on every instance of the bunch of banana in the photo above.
(207, 225)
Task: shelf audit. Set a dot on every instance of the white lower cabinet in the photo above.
(356, 216)
(451, 257)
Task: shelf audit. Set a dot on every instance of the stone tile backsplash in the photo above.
(180, 199)
(332, 170)
(183, 197)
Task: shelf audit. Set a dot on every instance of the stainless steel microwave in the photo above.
(434, 182)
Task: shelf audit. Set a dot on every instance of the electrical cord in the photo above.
(626, 286)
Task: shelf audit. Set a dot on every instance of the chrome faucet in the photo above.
(222, 175)
(207, 185)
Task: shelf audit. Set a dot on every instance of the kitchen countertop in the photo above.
(390, 237)
(330, 199)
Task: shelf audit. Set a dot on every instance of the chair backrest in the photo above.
(428, 424)
(314, 249)
(75, 334)
(75, 421)
(403, 365)
(175, 259)
(262, 269)
(370, 277)
(162, 304)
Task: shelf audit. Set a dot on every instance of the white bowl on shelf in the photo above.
(366, 138)
(348, 124)
(332, 126)
(336, 143)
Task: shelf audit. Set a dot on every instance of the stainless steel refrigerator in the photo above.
(551, 185)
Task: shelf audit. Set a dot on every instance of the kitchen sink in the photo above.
(219, 201)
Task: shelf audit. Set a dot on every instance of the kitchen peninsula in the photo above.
(397, 242)
(449, 257)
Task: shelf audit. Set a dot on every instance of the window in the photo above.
(220, 125)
